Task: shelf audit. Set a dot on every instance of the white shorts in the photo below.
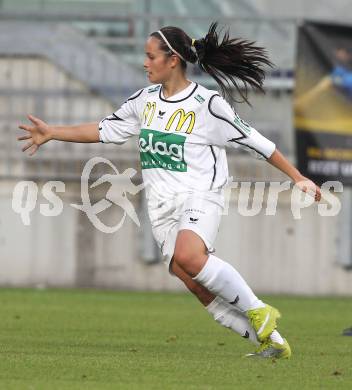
(199, 212)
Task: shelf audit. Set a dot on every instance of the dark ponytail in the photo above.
(231, 62)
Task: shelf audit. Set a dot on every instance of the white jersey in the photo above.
(182, 139)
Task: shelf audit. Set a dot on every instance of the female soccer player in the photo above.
(183, 129)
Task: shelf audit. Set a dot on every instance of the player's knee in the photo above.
(182, 257)
(189, 261)
(185, 256)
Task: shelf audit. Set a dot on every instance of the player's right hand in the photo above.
(37, 134)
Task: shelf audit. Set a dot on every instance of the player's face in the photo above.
(158, 64)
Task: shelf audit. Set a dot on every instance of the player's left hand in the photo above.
(308, 186)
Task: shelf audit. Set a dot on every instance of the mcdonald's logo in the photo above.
(149, 112)
(182, 117)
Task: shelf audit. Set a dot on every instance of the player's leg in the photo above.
(221, 279)
(203, 217)
(221, 311)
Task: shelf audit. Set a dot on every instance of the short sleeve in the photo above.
(123, 123)
(226, 128)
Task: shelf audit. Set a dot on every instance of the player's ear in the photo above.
(174, 60)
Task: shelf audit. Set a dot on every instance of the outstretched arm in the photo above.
(39, 132)
(279, 161)
(228, 129)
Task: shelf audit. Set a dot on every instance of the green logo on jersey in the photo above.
(244, 126)
(154, 89)
(162, 150)
(199, 98)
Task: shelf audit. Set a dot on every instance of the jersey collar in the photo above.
(180, 96)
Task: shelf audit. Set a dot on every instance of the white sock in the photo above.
(226, 315)
(276, 337)
(223, 280)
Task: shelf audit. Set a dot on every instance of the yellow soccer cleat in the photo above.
(263, 321)
(270, 349)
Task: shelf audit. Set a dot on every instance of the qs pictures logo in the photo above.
(25, 196)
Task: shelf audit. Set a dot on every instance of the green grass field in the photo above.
(64, 339)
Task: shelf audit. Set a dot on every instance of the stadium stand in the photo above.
(74, 61)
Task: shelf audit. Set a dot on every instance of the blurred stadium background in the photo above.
(77, 61)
